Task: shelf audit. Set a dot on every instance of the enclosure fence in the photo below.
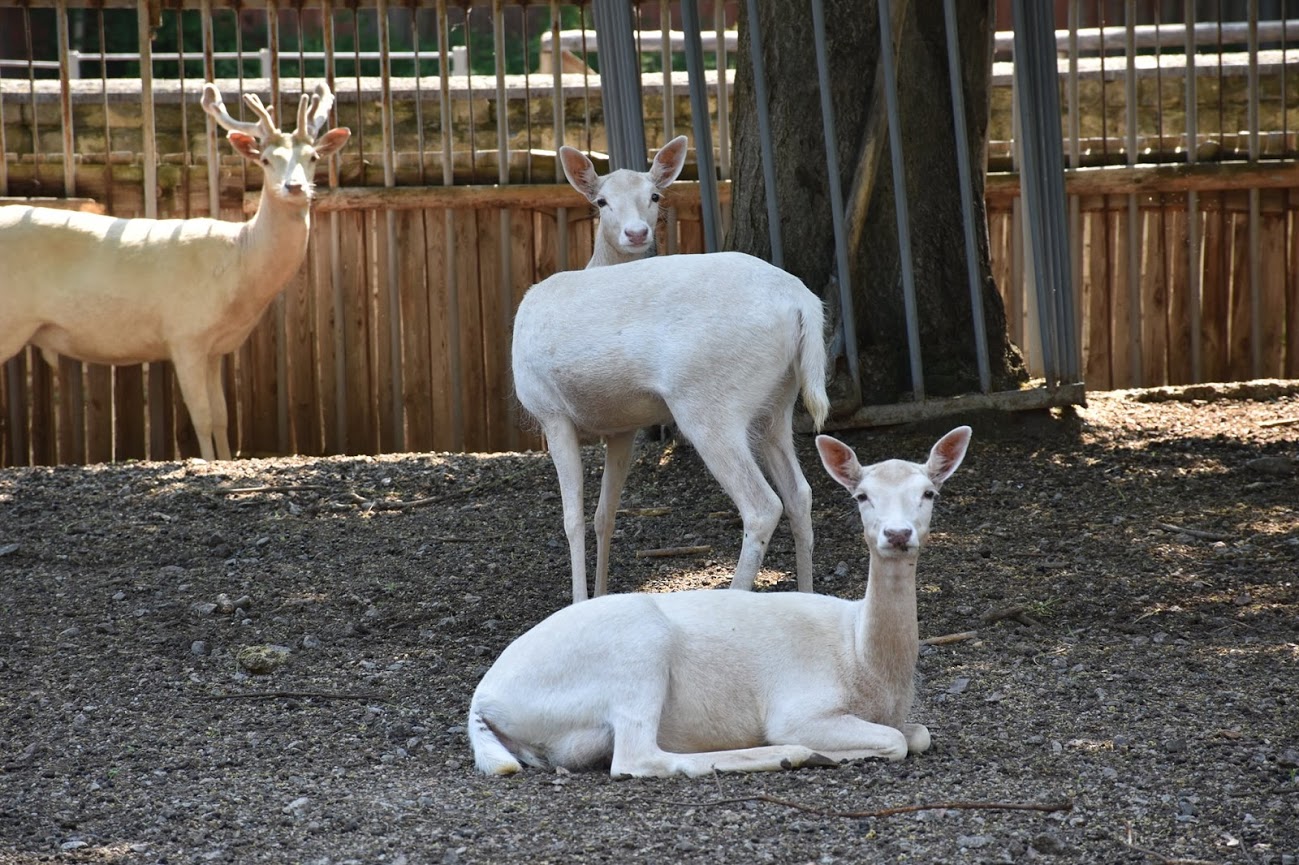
(448, 204)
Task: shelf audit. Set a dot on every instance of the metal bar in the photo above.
(395, 384)
(723, 94)
(967, 195)
(451, 276)
(710, 212)
(1255, 218)
(504, 290)
(1194, 268)
(1134, 213)
(1075, 159)
(1039, 110)
(65, 105)
(764, 133)
(148, 128)
(669, 114)
(336, 251)
(558, 104)
(210, 133)
(899, 200)
(620, 90)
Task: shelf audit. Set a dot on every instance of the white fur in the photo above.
(627, 201)
(689, 683)
(123, 291)
(721, 344)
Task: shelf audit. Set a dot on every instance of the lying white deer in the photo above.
(124, 291)
(687, 683)
(627, 201)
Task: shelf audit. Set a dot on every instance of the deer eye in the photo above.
(266, 160)
(930, 494)
(655, 198)
(601, 202)
(861, 497)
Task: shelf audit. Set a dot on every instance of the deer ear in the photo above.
(839, 461)
(668, 162)
(580, 172)
(947, 453)
(245, 145)
(332, 141)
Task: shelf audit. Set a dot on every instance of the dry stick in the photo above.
(1285, 421)
(1195, 533)
(268, 488)
(1008, 613)
(665, 552)
(883, 812)
(271, 695)
(948, 639)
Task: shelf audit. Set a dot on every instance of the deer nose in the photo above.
(636, 236)
(293, 188)
(899, 538)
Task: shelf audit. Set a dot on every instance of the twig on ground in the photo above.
(269, 488)
(302, 695)
(882, 812)
(1281, 421)
(644, 512)
(1195, 533)
(948, 639)
(1019, 613)
(666, 552)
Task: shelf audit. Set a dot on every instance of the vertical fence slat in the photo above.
(444, 379)
(469, 229)
(413, 289)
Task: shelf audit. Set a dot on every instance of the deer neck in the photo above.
(606, 253)
(275, 242)
(890, 635)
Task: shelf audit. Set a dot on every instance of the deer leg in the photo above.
(725, 449)
(191, 374)
(216, 395)
(617, 462)
(841, 737)
(566, 453)
(794, 490)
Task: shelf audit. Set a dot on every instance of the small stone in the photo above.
(296, 805)
(73, 631)
(841, 569)
(203, 609)
(1275, 466)
(262, 660)
(198, 647)
(973, 842)
(958, 685)
(73, 845)
(1289, 758)
(1049, 844)
(310, 641)
(1175, 746)
(119, 596)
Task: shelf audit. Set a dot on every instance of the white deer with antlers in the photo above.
(123, 291)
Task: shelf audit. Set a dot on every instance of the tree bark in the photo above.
(938, 252)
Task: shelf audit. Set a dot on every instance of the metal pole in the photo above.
(620, 85)
(900, 202)
(764, 133)
(699, 115)
(967, 195)
(847, 318)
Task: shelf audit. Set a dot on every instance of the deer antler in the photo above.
(263, 128)
(313, 111)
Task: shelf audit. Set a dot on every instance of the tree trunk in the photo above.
(938, 251)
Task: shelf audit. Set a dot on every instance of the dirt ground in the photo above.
(1131, 571)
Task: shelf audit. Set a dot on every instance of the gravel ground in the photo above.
(1130, 570)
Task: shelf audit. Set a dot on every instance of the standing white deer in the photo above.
(688, 683)
(124, 291)
(721, 344)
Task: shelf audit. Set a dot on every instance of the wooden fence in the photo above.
(348, 360)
